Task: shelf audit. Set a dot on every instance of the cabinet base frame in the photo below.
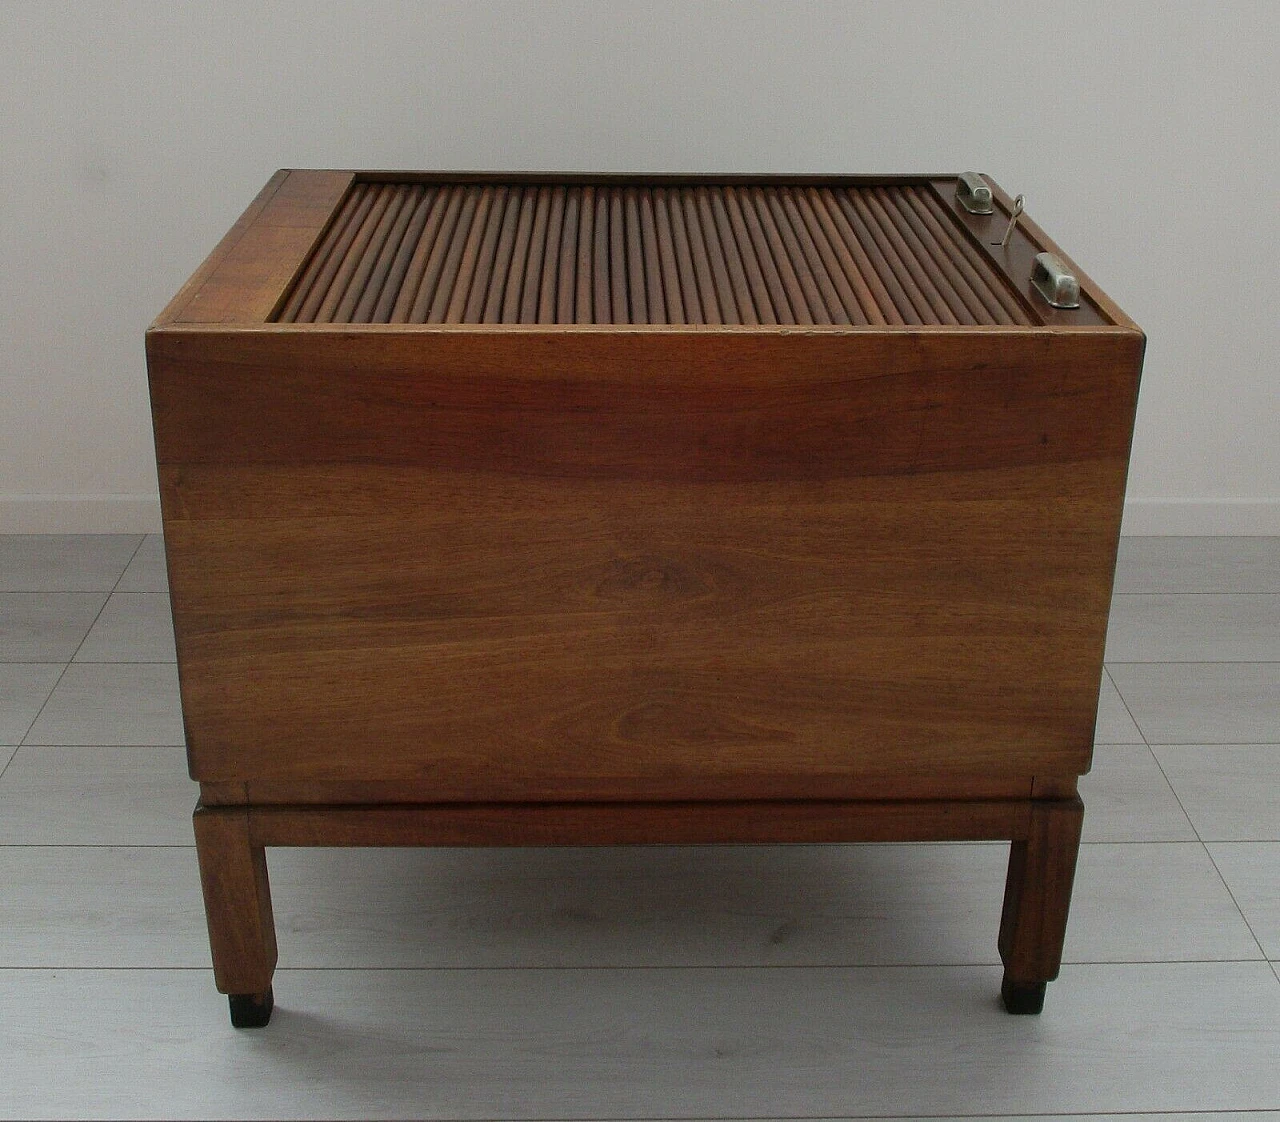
(231, 843)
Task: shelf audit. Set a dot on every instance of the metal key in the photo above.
(1018, 204)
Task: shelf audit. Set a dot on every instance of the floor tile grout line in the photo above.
(124, 569)
(1202, 742)
(1177, 1114)
(134, 554)
(73, 591)
(29, 662)
(95, 845)
(846, 1117)
(1094, 843)
(1244, 917)
(1193, 662)
(1242, 841)
(82, 591)
(122, 662)
(1201, 592)
(1106, 669)
(93, 744)
(648, 968)
(136, 550)
(1174, 792)
(22, 743)
(142, 538)
(1196, 830)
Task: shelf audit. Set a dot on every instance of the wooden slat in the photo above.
(517, 272)
(327, 256)
(482, 275)
(819, 229)
(580, 252)
(420, 260)
(602, 297)
(505, 253)
(567, 260)
(637, 295)
(548, 289)
(405, 255)
(746, 308)
(352, 260)
(619, 307)
(585, 283)
(655, 298)
(366, 283)
(771, 301)
(424, 295)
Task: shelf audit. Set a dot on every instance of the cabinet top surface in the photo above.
(410, 249)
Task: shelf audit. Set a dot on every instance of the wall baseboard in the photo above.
(140, 514)
(79, 514)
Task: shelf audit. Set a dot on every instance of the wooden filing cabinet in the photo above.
(507, 510)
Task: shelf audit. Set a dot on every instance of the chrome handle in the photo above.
(973, 194)
(1051, 279)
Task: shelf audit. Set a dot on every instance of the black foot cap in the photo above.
(251, 1010)
(1022, 997)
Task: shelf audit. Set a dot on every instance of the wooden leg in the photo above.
(237, 904)
(1036, 898)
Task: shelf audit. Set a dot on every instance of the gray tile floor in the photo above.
(658, 983)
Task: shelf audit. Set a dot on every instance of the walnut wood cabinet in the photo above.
(529, 510)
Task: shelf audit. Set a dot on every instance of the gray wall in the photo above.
(133, 133)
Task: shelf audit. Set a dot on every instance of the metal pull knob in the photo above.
(973, 194)
(1054, 283)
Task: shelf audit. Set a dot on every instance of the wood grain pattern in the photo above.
(210, 264)
(677, 823)
(782, 784)
(645, 569)
(237, 900)
(1038, 891)
(471, 547)
(645, 407)
(252, 274)
(649, 613)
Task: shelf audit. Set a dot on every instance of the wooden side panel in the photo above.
(253, 271)
(600, 566)
(643, 407)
